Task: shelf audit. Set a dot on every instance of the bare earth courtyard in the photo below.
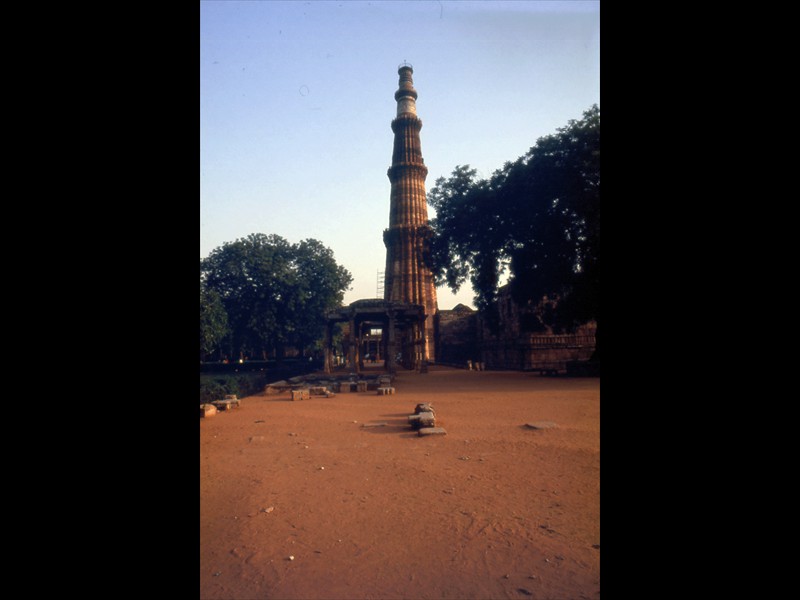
(493, 509)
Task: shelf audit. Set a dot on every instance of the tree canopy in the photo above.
(538, 216)
(275, 294)
(213, 320)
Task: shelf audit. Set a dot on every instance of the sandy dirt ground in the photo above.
(493, 509)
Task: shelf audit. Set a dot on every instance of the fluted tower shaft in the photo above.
(408, 276)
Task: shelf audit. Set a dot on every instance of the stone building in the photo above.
(406, 327)
(406, 316)
(457, 341)
(408, 276)
(520, 340)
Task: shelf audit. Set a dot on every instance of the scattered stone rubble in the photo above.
(209, 409)
(227, 403)
(385, 385)
(424, 420)
(302, 387)
(305, 386)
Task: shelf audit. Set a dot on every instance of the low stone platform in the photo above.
(432, 431)
(226, 404)
(541, 425)
(277, 387)
(378, 424)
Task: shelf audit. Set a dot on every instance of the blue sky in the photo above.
(296, 101)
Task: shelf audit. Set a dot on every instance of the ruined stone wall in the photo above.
(458, 337)
(464, 335)
(541, 352)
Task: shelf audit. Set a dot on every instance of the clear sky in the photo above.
(297, 98)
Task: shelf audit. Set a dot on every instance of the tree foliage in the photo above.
(274, 293)
(213, 320)
(538, 216)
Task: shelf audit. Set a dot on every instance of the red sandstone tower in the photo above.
(408, 276)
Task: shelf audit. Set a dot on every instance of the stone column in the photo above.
(408, 275)
(360, 342)
(391, 345)
(351, 348)
(423, 359)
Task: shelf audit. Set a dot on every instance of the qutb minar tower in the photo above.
(408, 276)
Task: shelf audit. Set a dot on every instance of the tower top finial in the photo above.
(406, 95)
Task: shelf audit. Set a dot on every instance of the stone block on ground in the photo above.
(345, 387)
(378, 424)
(540, 425)
(226, 404)
(207, 410)
(361, 386)
(432, 431)
(424, 407)
(423, 419)
(301, 394)
(385, 391)
(276, 387)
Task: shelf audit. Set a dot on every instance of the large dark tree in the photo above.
(213, 321)
(539, 216)
(275, 293)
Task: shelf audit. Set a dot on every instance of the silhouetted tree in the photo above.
(539, 216)
(213, 321)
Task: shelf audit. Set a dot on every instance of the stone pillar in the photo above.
(417, 346)
(391, 345)
(423, 346)
(360, 348)
(351, 348)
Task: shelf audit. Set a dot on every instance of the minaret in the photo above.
(408, 276)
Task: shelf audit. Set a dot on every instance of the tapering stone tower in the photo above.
(408, 276)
